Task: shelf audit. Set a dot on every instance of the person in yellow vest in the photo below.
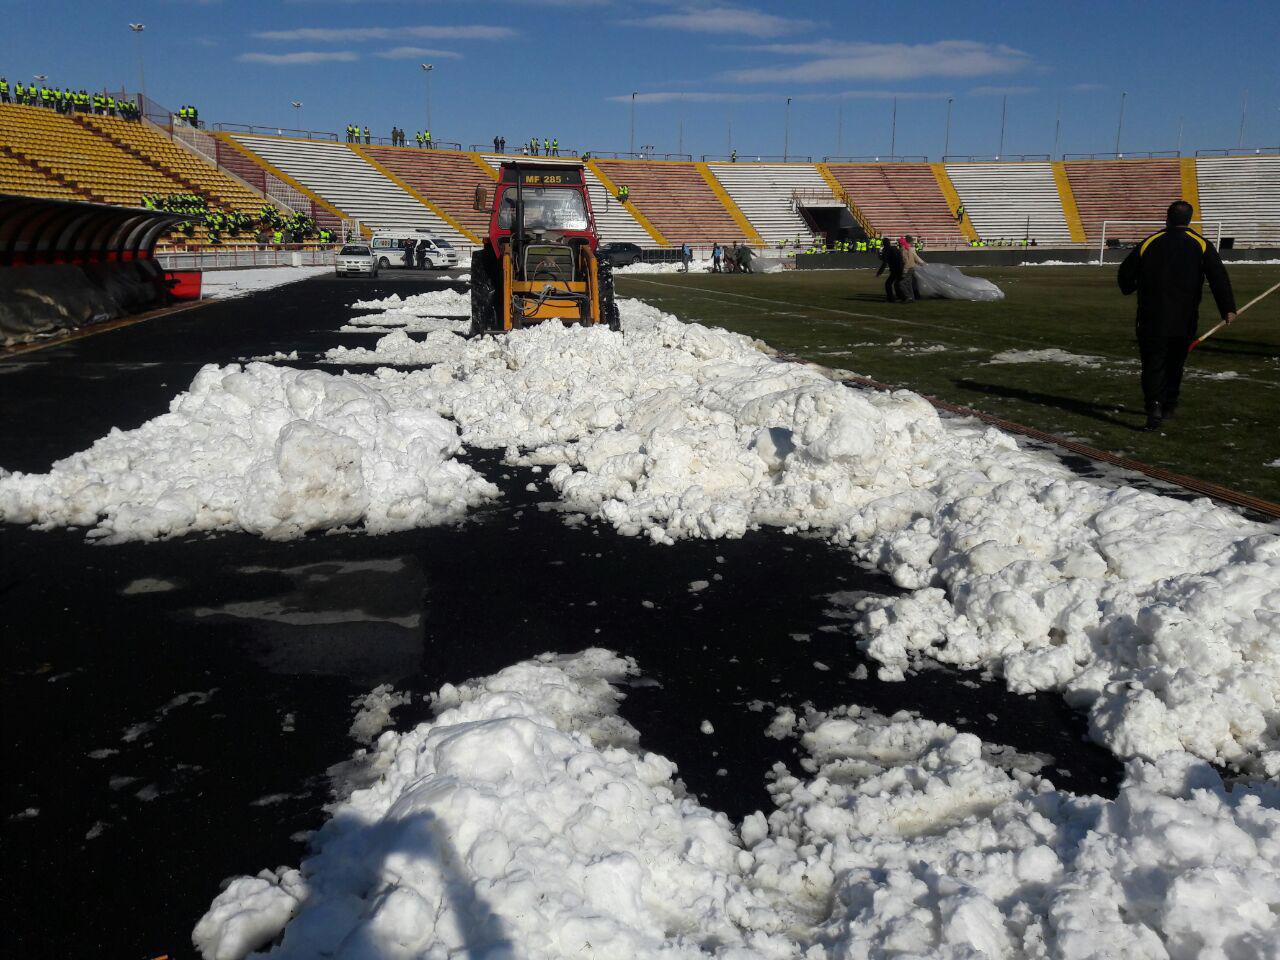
(426, 139)
(4, 90)
(555, 147)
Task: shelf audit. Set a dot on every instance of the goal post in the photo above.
(1154, 226)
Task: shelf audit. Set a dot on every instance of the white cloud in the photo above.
(885, 61)
(356, 34)
(301, 57)
(725, 19)
(417, 53)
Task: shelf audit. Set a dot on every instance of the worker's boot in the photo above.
(1155, 416)
(1170, 410)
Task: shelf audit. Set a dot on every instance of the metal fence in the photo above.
(984, 158)
(754, 158)
(887, 158)
(1125, 155)
(232, 256)
(254, 130)
(1239, 152)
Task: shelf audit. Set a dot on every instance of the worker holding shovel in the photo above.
(1168, 270)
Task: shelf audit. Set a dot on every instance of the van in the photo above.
(388, 248)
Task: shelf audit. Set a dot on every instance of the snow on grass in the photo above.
(524, 821)
(1051, 355)
(223, 284)
(1150, 613)
(268, 450)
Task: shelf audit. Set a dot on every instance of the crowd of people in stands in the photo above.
(270, 226)
(66, 100)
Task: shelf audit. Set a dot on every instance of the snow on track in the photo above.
(1156, 616)
(435, 303)
(265, 449)
(1153, 614)
(525, 822)
(221, 284)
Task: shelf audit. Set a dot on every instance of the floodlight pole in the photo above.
(786, 135)
(427, 68)
(1120, 122)
(840, 129)
(946, 138)
(1057, 128)
(1244, 112)
(632, 151)
(137, 29)
(1180, 136)
(893, 131)
(1004, 111)
(680, 144)
(297, 112)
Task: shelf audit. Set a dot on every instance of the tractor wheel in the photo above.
(608, 307)
(484, 294)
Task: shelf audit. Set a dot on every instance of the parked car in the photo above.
(388, 247)
(620, 254)
(356, 258)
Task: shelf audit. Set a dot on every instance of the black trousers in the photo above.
(1163, 360)
(897, 287)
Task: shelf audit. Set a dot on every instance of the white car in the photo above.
(356, 258)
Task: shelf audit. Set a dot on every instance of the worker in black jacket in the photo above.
(1168, 270)
(891, 258)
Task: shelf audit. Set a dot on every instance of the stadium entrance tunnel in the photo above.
(65, 265)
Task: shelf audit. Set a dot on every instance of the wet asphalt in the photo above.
(170, 709)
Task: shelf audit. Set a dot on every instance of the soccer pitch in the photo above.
(1058, 353)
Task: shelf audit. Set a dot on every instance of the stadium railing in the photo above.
(1126, 155)
(247, 255)
(1238, 152)
(994, 158)
(276, 131)
(613, 155)
(896, 158)
(514, 150)
(754, 158)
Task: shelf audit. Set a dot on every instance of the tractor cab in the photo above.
(539, 261)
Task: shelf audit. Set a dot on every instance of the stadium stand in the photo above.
(103, 171)
(763, 192)
(22, 178)
(897, 199)
(445, 178)
(154, 148)
(676, 199)
(1123, 190)
(1012, 200)
(1243, 193)
(343, 178)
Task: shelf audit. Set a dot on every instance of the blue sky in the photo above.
(567, 68)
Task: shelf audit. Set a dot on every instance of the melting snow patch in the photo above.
(435, 303)
(1051, 355)
(374, 712)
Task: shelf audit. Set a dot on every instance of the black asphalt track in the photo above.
(161, 737)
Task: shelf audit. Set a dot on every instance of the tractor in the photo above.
(539, 261)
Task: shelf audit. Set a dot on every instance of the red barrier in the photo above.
(184, 284)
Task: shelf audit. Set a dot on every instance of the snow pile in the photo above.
(399, 349)
(265, 449)
(1050, 355)
(521, 823)
(373, 712)
(1153, 614)
(525, 822)
(223, 284)
(910, 839)
(667, 266)
(404, 320)
(435, 303)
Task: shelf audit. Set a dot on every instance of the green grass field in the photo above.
(1228, 425)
